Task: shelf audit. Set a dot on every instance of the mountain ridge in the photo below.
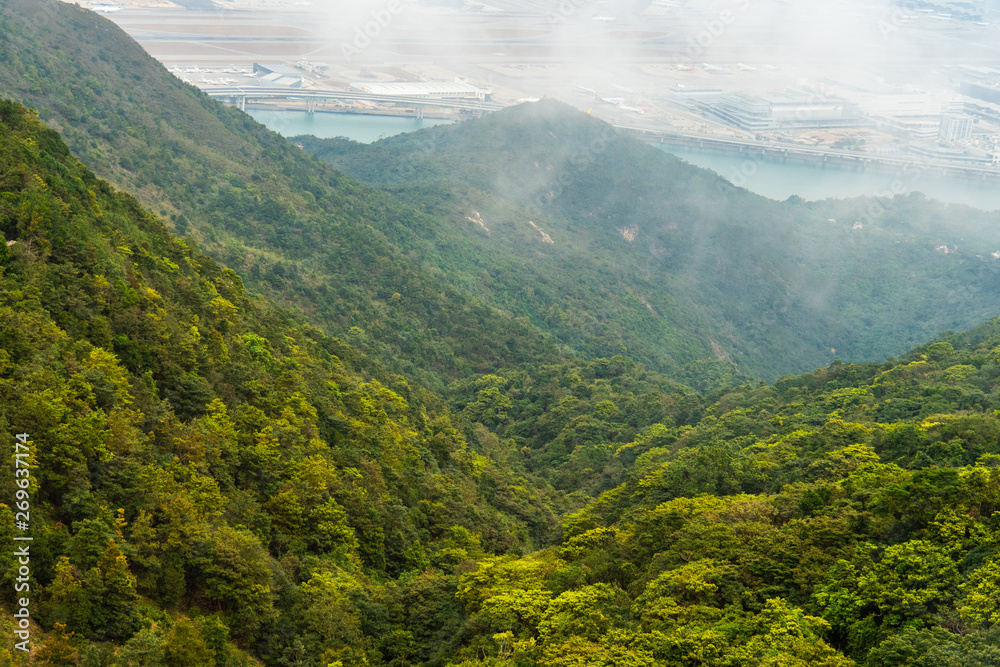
(723, 287)
(777, 287)
(298, 231)
(196, 434)
(219, 483)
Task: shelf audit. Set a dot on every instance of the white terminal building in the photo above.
(461, 90)
(955, 127)
(908, 112)
(778, 112)
(278, 75)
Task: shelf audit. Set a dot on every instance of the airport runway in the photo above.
(527, 32)
(531, 48)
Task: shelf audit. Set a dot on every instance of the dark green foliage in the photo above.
(247, 453)
(280, 501)
(573, 423)
(303, 234)
(689, 274)
(219, 483)
(715, 284)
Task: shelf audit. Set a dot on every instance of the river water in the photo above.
(780, 180)
(359, 127)
(768, 177)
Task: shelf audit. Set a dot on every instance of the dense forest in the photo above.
(276, 416)
(196, 447)
(650, 257)
(672, 262)
(343, 254)
(217, 483)
(842, 517)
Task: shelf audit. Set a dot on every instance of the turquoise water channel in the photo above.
(766, 176)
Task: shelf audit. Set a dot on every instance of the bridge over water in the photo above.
(240, 95)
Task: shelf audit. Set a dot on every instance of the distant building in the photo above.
(879, 99)
(916, 116)
(906, 112)
(955, 127)
(276, 79)
(264, 69)
(990, 113)
(690, 95)
(980, 74)
(442, 91)
(915, 127)
(980, 91)
(761, 114)
(278, 75)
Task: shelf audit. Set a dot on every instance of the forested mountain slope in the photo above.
(451, 274)
(218, 484)
(197, 448)
(671, 261)
(345, 254)
(848, 516)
